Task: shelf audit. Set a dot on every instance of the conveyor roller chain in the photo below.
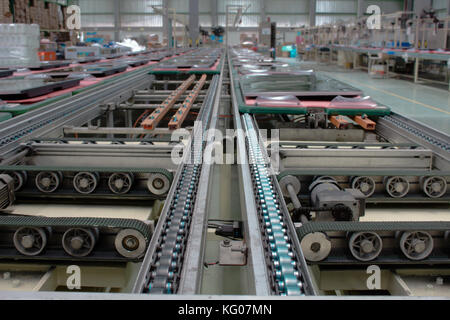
(286, 277)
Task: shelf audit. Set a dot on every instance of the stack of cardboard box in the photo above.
(153, 41)
(46, 14)
(5, 12)
(21, 11)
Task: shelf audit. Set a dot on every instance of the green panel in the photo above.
(5, 116)
(277, 110)
(24, 108)
(60, 2)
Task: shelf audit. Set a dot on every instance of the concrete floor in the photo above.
(424, 103)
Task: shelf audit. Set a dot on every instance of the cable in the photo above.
(207, 264)
(140, 117)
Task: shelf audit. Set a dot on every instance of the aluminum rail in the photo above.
(284, 256)
(400, 129)
(191, 275)
(74, 110)
(258, 278)
(114, 130)
(289, 274)
(161, 268)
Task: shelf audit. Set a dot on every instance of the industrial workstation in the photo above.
(224, 148)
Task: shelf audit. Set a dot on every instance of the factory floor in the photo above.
(421, 102)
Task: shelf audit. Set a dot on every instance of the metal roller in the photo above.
(120, 182)
(48, 181)
(434, 187)
(79, 242)
(324, 178)
(364, 184)
(85, 182)
(316, 246)
(416, 245)
(293, 182)
(7, 195)
(365, 246)
(130, 243)
(397, 187)
(30, 241)
(158, 183)
(20, 178)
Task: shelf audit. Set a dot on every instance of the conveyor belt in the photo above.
(79, 239)
(97, 183)
(393, 243)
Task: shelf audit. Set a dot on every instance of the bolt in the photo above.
(76, 243)
(439, 281)
(28, 241)
(6, 275)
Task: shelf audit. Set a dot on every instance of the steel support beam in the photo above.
(117, 22)
(312, 13)
(166, 28)
(191, 275)
(193, 21)
(263, 10)
(420, 5)
(93, 130)
(360, 8)
(258, 278)
(214, 19)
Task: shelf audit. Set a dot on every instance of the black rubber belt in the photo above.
(165, 172)
(34, 221)
(349, 172)
(370, 226)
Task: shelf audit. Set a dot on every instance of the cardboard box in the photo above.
(5, 12)
(153, 38)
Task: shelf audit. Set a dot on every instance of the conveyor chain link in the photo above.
(167, 261)
(166, 265)
(283, 264)
(444, 145)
